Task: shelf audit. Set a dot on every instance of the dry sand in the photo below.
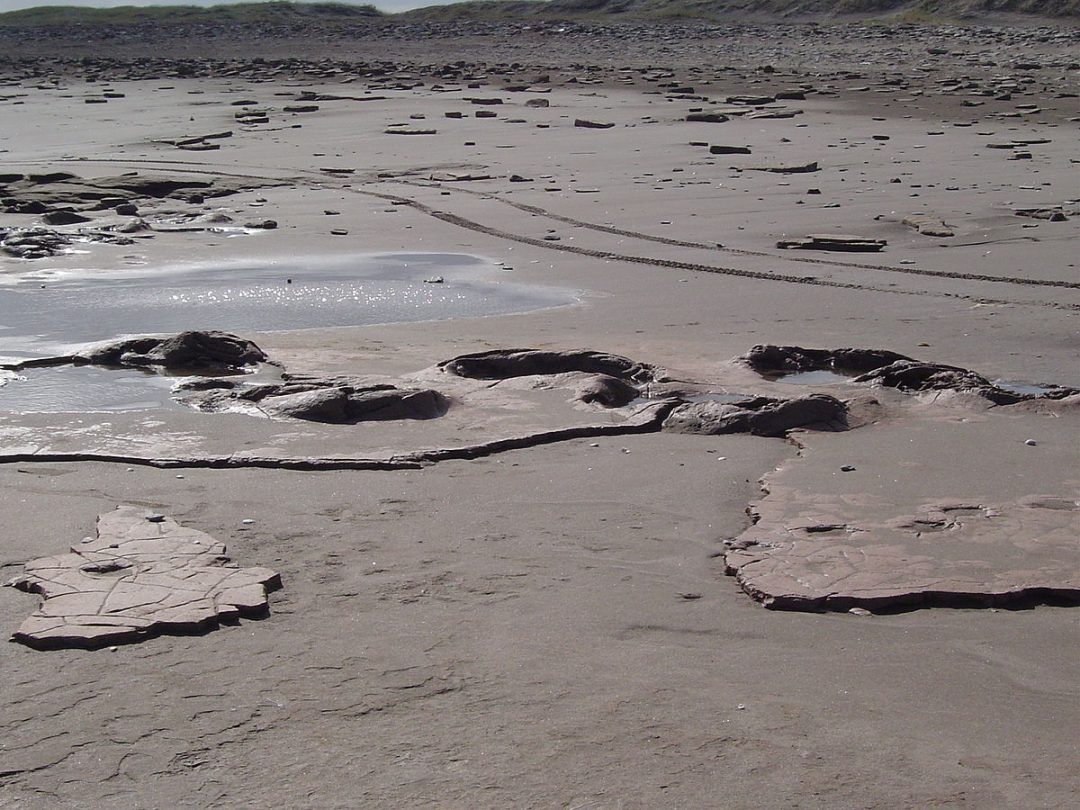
(552, 626)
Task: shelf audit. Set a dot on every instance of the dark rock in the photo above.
(707, 117)
(63, 217)
(729, 150)
(581, 122)
(751, 101)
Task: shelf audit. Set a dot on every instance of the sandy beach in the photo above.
(611, 557)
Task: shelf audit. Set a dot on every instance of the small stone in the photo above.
(247, 521)
(179, 476)
(847, 468)
(155, 518)
(858, 611)
(1030, 442)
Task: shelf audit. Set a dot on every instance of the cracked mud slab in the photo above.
(888, 517)
(143, 575)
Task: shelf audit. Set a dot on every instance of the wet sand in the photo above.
(571, 633)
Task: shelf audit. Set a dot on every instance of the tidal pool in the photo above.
(39, 319)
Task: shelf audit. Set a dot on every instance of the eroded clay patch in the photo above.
(143, 575)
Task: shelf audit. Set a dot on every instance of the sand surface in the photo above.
(578, 623)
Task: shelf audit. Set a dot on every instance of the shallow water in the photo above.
(84, 389)
(359, 290)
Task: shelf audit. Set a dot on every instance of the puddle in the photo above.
(85, 389)
(815, 378)
(243, 298)
(1023, 388)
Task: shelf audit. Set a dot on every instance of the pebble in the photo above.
(858, 611)
(847, 468)
(155, 518)
(247, 521)
(1030, 442)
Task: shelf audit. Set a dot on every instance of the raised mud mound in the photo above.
(890, 370)
(759, 416)
(143, 575)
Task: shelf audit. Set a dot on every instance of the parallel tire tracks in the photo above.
(663, 240)
(463, 222)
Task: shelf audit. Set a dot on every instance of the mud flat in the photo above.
(710, 522)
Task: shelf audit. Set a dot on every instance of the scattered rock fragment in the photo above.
(586, 124)
(707, 117)
(928, 225)
(834, 242)
(782, 168)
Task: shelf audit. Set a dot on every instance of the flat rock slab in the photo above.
(143, 575)
(878, 519)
